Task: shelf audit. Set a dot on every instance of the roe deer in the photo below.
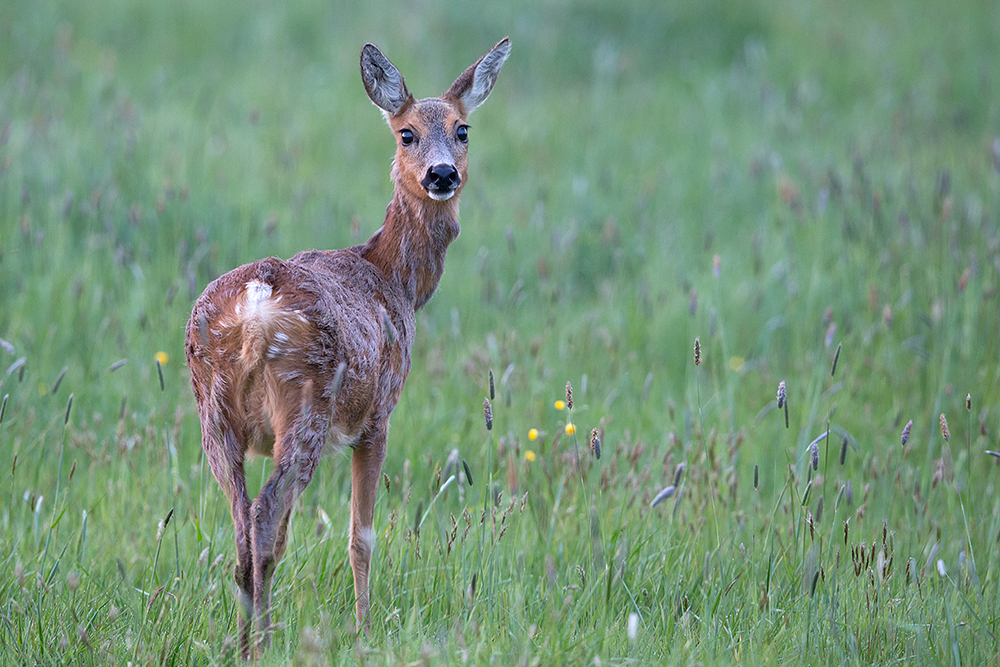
(286, 356)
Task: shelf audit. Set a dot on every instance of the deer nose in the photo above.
(441, 177)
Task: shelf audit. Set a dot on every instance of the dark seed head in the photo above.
(782, 395)
(468, 473)
(569, 396)
(836, 356)
(492, 392)
(595, 444)
(905, 437)
(679, 472)
(488, 414)
(756, 475)
(843, 450)
(697, 352)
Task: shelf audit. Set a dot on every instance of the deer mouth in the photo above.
(440, 194)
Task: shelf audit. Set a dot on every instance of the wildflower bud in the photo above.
(492, 392)
(595, 444)
(569, 396)
(697, 352)
(814, 454)
(903, 439)
(944, 427)
(781, 394)
(488, 414)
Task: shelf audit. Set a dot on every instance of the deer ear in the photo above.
(474, 85)
(383, 82)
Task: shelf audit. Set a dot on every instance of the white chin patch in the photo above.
(440, 196)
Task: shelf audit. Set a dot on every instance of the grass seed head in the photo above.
(756, 475)
(663, 495)
(595, 444)
(968, 402)
(905, 437)
(492, 391)
(465, 466)
(814, 455)
(569, 396)
(782, 394)
(697, 352)
(836, 357)
(488, 414)
(944, 427)
(679, 472)
(843, 450)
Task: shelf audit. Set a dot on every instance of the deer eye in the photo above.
(406, 137)
(463, 133)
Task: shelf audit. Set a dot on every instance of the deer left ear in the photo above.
(475, 84)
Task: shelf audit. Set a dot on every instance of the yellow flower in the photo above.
(570, 429)
(529, 455)
(532, 434)
(560, 405)
(162, 357)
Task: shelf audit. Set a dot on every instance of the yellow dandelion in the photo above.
(570, 429)
(532, 434)
(560, 405)
(529, 456)
(162, 357)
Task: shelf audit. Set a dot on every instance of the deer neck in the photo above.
(410, 247)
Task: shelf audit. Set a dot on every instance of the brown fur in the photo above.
(265, 342)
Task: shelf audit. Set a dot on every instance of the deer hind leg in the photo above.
(366, 467)
(226, 462)
(297, 451)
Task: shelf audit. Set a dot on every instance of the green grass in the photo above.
(840, 160)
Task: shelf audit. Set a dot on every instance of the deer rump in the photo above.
(268, 337)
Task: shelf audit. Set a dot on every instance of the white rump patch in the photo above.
(257, 292)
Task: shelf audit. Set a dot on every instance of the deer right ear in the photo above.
(383, 82)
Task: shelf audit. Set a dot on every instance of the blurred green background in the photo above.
(839, 163)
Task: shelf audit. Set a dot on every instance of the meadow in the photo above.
(809, 190)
